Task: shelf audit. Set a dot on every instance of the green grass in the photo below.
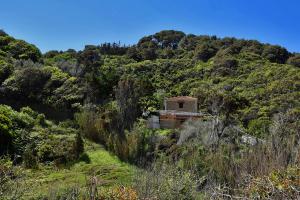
(163, 132)
(108, 169)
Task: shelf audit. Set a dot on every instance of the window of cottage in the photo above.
(180, 104)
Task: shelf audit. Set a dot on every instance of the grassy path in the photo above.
(108, 169)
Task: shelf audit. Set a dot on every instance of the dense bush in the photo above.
(2, 33)
(29, 135)
(13, 126)
(241, 85)
(279, 184)
(19, 49)
(275, 54)
(225, 159)
(225, 66)
(5, 70)
(259, 127)
(12, 184)
(130, 144)
(294, 60)
(29, 80)
(164, 181)
(204, 52)
(6, 134)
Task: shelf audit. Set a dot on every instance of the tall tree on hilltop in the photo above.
(90, 58)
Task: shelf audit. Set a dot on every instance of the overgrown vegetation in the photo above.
(246, 146)
(27, 136)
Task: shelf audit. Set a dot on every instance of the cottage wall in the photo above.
(153, 122)
(177, 111)
(187, 106)
(169, 123)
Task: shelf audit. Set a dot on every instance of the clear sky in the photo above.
(63, 24)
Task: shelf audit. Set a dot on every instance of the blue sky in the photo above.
(63, 24)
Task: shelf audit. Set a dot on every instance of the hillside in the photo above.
(54, 101)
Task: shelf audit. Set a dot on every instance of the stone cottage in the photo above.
(181, 103)
(176, 111)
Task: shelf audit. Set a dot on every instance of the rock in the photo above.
(248, 139)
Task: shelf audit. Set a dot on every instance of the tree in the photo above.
(294, 60)
(224, 65)
(169, 38)
(2, 33)
(90, 58)
(253, 46)
(78, 145)
(91, 61)
(148, 53)
(167, 53)
(4, 41)
(112, 49)
(275, 53)
(6, 135)
(51, 54)
(204, 52)
(20, 49)
(127, 95)
(188, 42)
(147, 47)
(28, 82)
(150, 46)
(133, 53)
(5, 70)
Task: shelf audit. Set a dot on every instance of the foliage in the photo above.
(127, 95)
(227, 161)
(19, 49)
(5, 70)
(204, 52)
(259, 127)
(294, 60)
(54, 182)
(275, 53)
(118, 193)
(12, 183)
(243, 86)
(29, 80)
(279, 184)
(30, 136)
(6, 133)
(130, 145)
(164, 181)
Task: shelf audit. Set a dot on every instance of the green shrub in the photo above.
(279, 184)
(41, 119)
(294, 60)
(6, 135)
(22, 50)
(139, 142)
(30, 135)
(275, 53)
(29, 111)
(30, 158)
(87, 123)
(5, 70)
(164, 181)
(225, 66)
(5, 125)
(259, 127)
(85, 158)
(12, 185)
(204, 52)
